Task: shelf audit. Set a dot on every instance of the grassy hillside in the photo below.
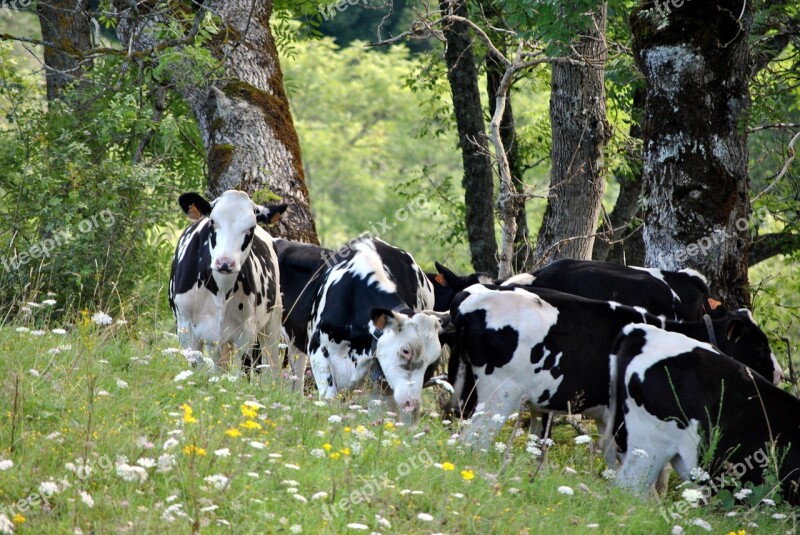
(170, 451)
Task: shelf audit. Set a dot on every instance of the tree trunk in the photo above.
(580, 131)
(66, 23)
(696, 64)
(244, 117)
(523, 256)
(623, 221)
(478, 181)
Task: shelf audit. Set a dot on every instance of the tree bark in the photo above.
(66, 23)
(478, 180)
(523, 255)
(623, 221)
(580, 131)
(244, 118)
(696, 63)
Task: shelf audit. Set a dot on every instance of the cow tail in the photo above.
(614, 419)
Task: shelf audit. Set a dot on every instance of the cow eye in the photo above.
(406, 352)
(211, 222)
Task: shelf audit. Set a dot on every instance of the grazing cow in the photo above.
(367, 297)
(551, 349)
(223, 285)
(677, 295)
(683, 401)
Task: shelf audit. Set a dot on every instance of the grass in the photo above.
(255, 457)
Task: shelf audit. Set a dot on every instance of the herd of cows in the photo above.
(667, 372)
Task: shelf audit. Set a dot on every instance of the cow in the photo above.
(224, 282)
(551, 349)
(684, 402)
(360, 313)
(677, 295)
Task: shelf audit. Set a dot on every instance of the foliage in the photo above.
(70, 186)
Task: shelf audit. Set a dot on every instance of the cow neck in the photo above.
(307, 293)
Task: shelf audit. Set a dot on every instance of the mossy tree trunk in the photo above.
(244, 118)
(580, 132)
(696, 63)
(66, 24)
(478, 179)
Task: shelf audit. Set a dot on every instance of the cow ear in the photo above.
(270, 214)
(383, 318)
(194, 205)
(713, 304)
(735, 329)
(445, 323)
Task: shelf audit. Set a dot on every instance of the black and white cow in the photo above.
(368, 296)
(677, 295)
(676, 395)
(551, 349)
(224, 286)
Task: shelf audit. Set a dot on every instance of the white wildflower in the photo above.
(218, 481)
(23, 330)
(292, 466)
(146, 462)
(6, 526)
(132, 473)
(566, 490)
(59, 331)
(5, 464)
(185, 374)
(425, 517)
(48, 488)
(742, 494)
(693, 496)
(49, 302)
(767, 501)
(257, 445)
(383, 522)
(699, 475)
(37, 333)
(318, 453)
(224, 452)
(121, 384)
(296, 528)
(779, 516)
(34, 373)
(87, 499)
(677, 530)
(356, 525)
(101, 318)
(699, 522)
(321, 495)
(300, 498)
(609, 473)
(583, 439)
(166, 462)
(170, 443)
(334, 419)
(500, 447)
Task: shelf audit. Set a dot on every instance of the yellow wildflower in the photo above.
(326, 447)
(233, 433)
(468, 474)
(194, 450)
(187, 414)
(335, 455)
(249, 412)
(346, 451)
(347, 429)
(448, 466)
(250, 424)
(389, 426)
(18, 519)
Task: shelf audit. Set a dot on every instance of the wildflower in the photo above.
(321, 495)
(19, 519)
(335, 455)
(609, 473)
(317, 452)
(458, 495)
(742, 494)
(132, 473)
(383, 522)
(194, 450)
(121, 384)
(87, 499)
(218, 481)
(249, 412)
(146, 462)
(767, 501)
(224, 452)
(142, 442)
(59, 331)
(566, 490)
(334, 419)
(327, 447)
(187, 414)
(468, 474)
(296, 528)
(699, 522)
(692, 496)
(389, 425)
(583, 439)
(101, 318)
(677, 530)
(250, 424)
(37, 333)
(48, 488)
(257, 445)
(185, 374)
(698, 474)
(355, 525)
(166, 463)
(233, 433)
(425, 517)
(779, 516)
(23, 330)
(5, 464)
(499, 447)
(300, 498)
(448, 466)
(292, 466)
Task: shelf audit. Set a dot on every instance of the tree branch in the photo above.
(769, 245)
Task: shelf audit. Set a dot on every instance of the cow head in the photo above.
(447, 284)
(407, 345)
(743, 340)
(232, 219)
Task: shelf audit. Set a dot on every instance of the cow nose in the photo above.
(225, 264)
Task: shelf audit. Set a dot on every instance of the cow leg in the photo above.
(486, 423)
(269, 340)
(187, 338)
(297, 362)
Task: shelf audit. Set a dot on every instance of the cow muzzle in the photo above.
(223, 264)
